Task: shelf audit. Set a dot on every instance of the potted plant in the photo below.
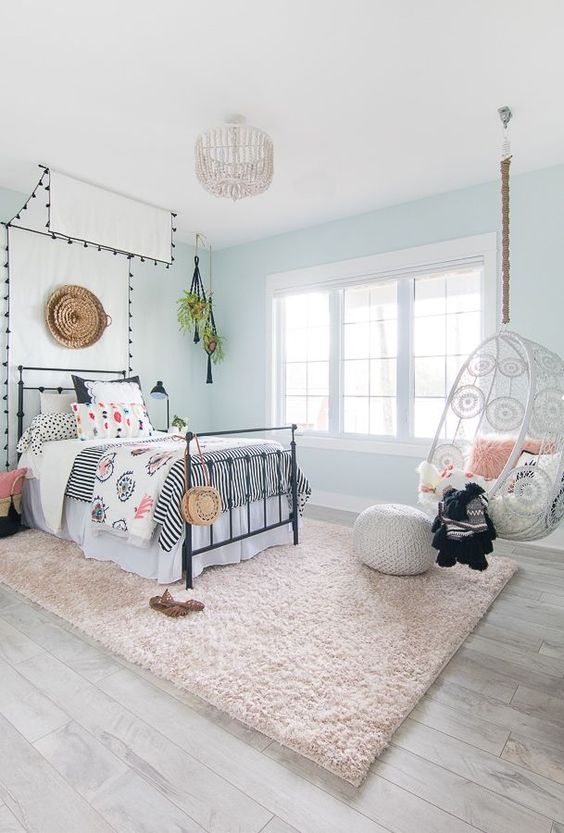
(192, 310)
(214, 344)
(179, 423)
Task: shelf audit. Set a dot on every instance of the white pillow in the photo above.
(548, 462)
(114, 391)
(108, 390)
(56, 403)
(97, 420)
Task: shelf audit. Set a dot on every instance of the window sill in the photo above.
(366, 445)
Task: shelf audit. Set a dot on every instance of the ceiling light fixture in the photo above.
(234, 160)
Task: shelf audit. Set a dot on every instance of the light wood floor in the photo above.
(92, 744)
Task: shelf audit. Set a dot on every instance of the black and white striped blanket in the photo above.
(240, 470)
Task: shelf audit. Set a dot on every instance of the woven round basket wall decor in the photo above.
(75, 317)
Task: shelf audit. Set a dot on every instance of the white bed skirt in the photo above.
(152, 561)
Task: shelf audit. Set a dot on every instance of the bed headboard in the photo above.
(22, 387)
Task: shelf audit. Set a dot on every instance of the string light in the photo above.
(5, 364)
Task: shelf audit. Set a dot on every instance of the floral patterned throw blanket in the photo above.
(127, 485)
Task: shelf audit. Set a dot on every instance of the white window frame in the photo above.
(480, 248)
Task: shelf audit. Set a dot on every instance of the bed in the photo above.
(72, 486)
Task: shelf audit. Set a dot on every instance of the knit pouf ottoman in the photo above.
(394, 539)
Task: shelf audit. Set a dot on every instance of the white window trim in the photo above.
(380, 266)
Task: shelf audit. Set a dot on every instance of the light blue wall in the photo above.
(537, 222)
(238, 395)
(159, 350)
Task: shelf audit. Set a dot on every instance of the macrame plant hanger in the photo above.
(197, 286)
(210, 330)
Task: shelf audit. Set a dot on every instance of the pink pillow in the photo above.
(490, 454)
(537, 446)
(7, 482)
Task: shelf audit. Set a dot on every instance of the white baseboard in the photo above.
(347, 503)
(554, 541)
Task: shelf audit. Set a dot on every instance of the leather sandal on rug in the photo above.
(171, 607)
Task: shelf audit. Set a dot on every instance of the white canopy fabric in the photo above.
(88, 212)
(38, 265)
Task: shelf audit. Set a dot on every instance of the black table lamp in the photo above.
(158, 392)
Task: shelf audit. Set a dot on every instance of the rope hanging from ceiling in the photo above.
(505, 165)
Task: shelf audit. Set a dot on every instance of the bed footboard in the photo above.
(263, 461)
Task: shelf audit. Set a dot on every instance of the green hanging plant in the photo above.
(213, 344)
(192, 309)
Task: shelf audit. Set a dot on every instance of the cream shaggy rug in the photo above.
(303, 643)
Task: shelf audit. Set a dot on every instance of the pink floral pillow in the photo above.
(99, 420)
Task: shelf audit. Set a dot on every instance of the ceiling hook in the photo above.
(201, 239)
(505, 115)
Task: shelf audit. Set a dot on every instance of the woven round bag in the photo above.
(200, 505)
(75, 316)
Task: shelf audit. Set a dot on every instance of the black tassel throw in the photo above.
(463, 530)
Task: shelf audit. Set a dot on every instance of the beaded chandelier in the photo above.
(234, 160)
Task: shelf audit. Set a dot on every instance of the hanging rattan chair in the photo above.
(510, 389)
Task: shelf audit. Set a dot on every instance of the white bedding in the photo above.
(52, 469)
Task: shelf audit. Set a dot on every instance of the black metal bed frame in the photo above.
(42, 388)
(188, 551)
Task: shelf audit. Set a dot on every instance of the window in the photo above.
(447, 326)
(306, 359)
(375, 356)
(369, 359)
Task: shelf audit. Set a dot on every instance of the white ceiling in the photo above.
(369, 102)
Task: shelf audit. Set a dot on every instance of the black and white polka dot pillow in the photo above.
(45, 428)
